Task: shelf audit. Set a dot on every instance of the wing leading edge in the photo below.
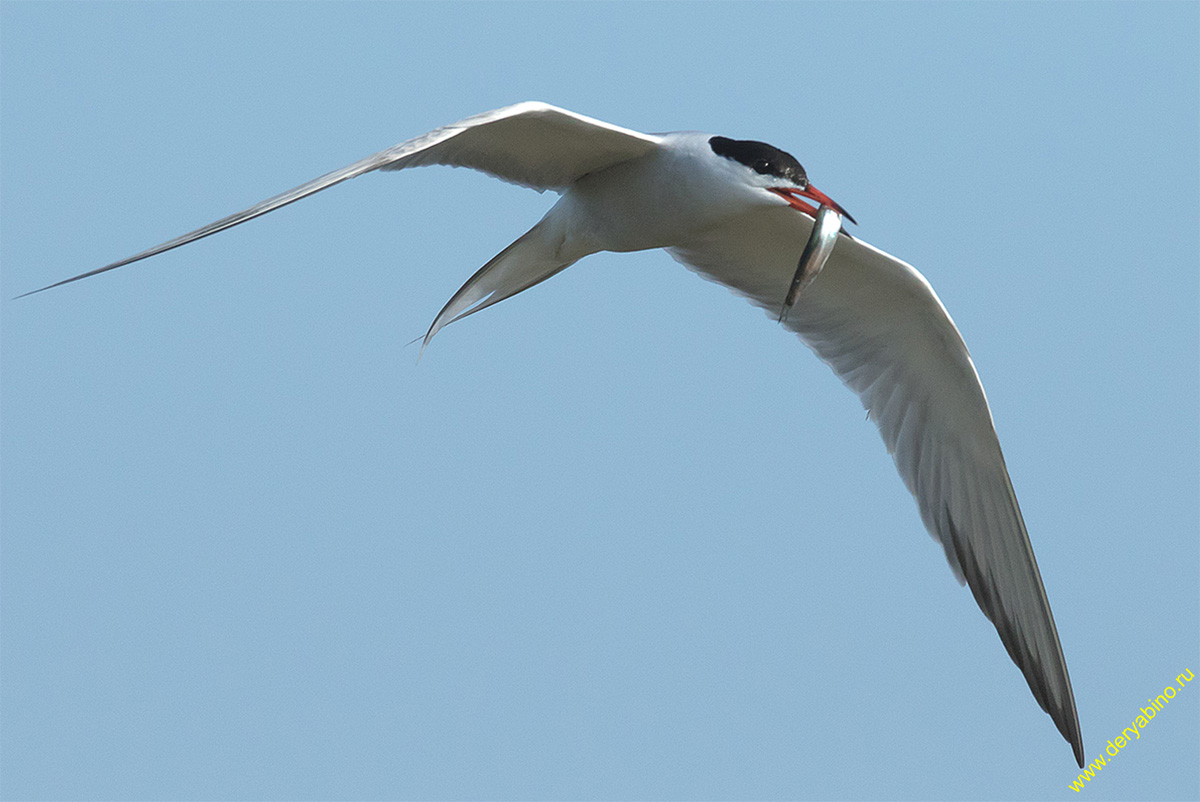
(532, 144)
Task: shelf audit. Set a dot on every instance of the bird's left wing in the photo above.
(880, 326)
(532, 144)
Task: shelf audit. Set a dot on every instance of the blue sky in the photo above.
(620, 537)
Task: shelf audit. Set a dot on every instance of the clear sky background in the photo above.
(621, 537)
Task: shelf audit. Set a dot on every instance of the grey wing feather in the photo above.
(876, 321)
(532, 144)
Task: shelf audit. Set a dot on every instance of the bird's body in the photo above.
(731, 210)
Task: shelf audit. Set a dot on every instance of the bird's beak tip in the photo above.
(820, 197)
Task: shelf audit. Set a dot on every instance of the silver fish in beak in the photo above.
(816, 253)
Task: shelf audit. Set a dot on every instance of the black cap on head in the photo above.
(761, 158)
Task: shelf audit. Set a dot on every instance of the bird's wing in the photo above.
(877, 322)
(532, 144)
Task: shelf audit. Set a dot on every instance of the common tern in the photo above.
(737, 212)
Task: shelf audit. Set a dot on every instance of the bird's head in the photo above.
(777, 171)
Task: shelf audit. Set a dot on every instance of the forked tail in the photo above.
(532, 259)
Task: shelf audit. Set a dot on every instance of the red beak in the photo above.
(790, 195)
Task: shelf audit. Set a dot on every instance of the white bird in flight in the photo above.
(734, 212)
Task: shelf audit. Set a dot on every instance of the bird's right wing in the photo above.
(878, 323)
(532, 144)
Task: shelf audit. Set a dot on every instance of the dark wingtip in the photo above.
(81, 276)
(35, 292)
(1077, 745)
